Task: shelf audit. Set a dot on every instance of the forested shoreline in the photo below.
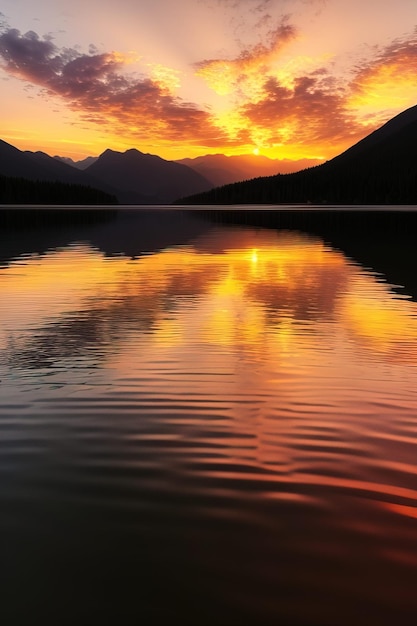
(354, 184)
(380, 169)
(14, 190)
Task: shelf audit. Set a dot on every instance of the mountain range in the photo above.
(138, 178)
(80, 165)
(220, 169)
(379, 169)
(131, 176)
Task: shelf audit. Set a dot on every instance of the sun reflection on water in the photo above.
(248, 385)
(243, 286)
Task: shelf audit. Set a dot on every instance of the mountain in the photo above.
(133, 177)
(156, 180)
(15, 163)
(59, 170)
(379, 169)
(220, 169)
(80, 165)
(38, 166)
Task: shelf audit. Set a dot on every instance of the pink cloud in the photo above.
(254, 55)
(96, 86)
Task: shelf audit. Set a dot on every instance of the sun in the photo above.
(255, 151)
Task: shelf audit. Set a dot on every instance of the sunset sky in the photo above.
(283, 78)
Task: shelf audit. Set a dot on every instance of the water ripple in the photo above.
(220, 432)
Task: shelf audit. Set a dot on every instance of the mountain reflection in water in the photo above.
(219, 431)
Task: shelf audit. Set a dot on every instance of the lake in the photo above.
(207, 423)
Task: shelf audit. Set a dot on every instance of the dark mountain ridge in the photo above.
(38, 166)
(133, 177)
(379, 169)
(394, 126)
(156, 180)
(14, 162)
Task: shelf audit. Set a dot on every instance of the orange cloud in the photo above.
(387, 82)
(225, 76)
(306, 116)
(95, 86)
(289, 107)
(314, 111)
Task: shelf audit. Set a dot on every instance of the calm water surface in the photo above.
(203, 424)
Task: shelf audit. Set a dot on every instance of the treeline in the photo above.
(374, 172)
(23, 191)
(318, 186)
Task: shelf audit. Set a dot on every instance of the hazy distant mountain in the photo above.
(220, 169)
(80, 165)
(379, 169)
(157, 180)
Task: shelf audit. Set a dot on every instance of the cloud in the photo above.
(271, 101)
(310, 113)
(257, 5)
(281, 102)
(227, 75)
(315, 109)
(389, 76)
(261, 6)
(96, 86)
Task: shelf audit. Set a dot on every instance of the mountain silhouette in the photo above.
(379, 169)
(220, 169)
(38, 166)
(80, 165)
(133, 177)
(15, 163)
(153, 179)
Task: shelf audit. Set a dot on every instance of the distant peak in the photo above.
(133, 150)
(110, 151)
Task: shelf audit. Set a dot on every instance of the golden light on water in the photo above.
(244, 286)
(271, 344)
